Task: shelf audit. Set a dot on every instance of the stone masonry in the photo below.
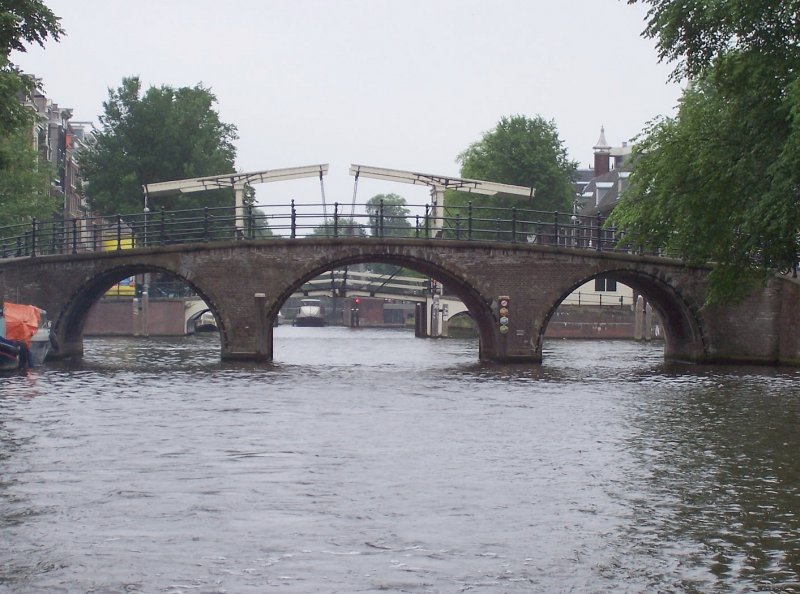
(246, 282)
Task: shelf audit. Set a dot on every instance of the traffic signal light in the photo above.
(504, 302)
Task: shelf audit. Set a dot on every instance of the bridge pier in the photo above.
(248, 336)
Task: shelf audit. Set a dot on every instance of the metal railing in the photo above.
(293, 221)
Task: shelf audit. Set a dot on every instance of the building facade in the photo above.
(58, 139)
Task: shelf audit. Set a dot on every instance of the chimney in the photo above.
(602, 154)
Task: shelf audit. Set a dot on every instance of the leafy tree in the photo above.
(258, 224)
(161, 135)
(344, 227)
(24, 184)
(519, 151)
(22, 22)
(695, 33)
(720, 181)
(24, 180)
(388, 216)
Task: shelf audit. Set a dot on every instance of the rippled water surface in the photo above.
(367, 460)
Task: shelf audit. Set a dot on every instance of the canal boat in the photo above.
(206, 323)
(24, 336)
(310, 313)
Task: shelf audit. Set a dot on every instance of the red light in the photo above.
(358, 300)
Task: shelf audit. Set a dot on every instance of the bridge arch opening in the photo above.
(651, 309)
(432, 275)
(132, 300)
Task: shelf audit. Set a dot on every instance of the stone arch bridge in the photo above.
(246, 282)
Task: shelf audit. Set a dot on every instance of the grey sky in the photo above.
(402, 84)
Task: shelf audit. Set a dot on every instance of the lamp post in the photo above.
(574, 219)
(145, 281)
(146, 211)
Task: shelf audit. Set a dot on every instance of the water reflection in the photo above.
(718, 451)
(369, 460)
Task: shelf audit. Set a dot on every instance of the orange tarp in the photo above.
(22, 321)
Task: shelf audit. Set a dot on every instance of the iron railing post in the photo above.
(53, 237)
(555, 228)
(162, 229)
(380, 218)
(74, 236)
(513, 224)
(62, 235)
(469, 221)
(599, 246)
(33, 236)
(294, 221)
(205, 224)
(336, 219)
(119, 232)
(427, 221)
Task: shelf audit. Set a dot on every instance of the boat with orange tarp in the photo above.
(24, 336)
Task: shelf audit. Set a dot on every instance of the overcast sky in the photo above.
(405, 84)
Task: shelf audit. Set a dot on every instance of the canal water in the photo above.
(368, 460)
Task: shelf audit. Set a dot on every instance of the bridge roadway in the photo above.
(245, 283)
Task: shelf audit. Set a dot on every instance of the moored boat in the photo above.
(24, 336)
(206, 323)
(311, 313)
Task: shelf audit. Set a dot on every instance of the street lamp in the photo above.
(145, 281)
(146, 210)
(574, 218)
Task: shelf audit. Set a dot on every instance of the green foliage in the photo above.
(26, 21)
(258, 225)
(24, 180)
(388, 216)
(21, 22)
(164, 134)
(24, 183)
(520, 151)
(343, 227)
(719, 182)
(695, 33)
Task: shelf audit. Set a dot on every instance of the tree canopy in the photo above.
(160, 135)
(719, 181)
(388, 216)
(521, 151)
(24, 185)
(343, 227)
(22, 22)
(24, 180)
(695, 33)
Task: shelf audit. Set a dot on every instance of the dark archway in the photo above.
(69, 326)
(480, 309)
(683, 331)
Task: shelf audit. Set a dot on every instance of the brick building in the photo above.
(59, 139)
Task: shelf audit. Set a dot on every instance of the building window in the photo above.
(602, 283)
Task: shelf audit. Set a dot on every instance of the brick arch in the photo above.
(684, 332)
(457, 281)
(242, 280)
(70, 319)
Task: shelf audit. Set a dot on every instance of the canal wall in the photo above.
(126, 317)
(601, 322)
